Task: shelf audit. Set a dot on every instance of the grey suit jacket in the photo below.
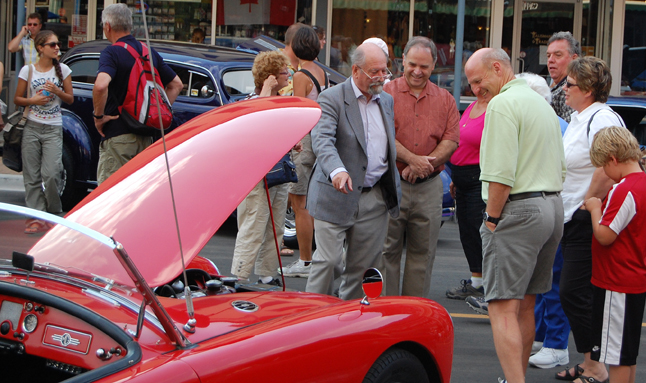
(338, 140)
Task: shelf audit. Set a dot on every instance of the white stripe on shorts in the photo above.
(614, 311)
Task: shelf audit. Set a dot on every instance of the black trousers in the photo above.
(469, 208)
(576, 288)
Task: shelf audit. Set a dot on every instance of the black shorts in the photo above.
(616, 326)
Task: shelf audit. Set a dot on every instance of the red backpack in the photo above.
(140, 111)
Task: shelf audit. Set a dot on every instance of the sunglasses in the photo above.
(570, 85)
(53, 44)
(33, 24)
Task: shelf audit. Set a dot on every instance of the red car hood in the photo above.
(215, 160)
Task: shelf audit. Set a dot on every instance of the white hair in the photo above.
(538, 84)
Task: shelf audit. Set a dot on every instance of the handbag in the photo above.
(12, 135)
(283, 172)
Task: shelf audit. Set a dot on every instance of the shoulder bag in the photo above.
(12, 134)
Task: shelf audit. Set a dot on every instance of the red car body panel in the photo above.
(288, 337)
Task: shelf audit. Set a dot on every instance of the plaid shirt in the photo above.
(558, 101)
(29, 51)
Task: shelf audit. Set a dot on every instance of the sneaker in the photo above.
(549, 357)
(297, 269)
(465, 290)
(501, 380)
(478, 304)
(273, 282)
(536, 347)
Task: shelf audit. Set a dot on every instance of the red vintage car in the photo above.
(103, 295)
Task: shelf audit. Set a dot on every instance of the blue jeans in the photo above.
(552, 326)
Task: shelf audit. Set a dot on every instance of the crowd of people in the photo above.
(547, 182)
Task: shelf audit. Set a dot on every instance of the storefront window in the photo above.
(67, 18)
(353, 21)
(437, 20)
(633, 71)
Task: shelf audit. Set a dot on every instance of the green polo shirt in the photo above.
(521, 142)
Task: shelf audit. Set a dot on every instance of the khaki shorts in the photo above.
(517, 257)
(304, 162)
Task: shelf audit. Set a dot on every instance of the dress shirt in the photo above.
(576, 143)
(29, 51)
(376, 139)
(421, 122)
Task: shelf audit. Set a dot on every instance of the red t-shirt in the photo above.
(621, 266)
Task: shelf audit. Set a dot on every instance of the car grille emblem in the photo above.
(66, 340)
(245, 306)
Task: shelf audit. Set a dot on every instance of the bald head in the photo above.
(369, 66)
(488, 70)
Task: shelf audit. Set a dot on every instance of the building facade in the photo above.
(610, 29)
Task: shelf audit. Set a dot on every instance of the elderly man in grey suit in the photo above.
(354, 183)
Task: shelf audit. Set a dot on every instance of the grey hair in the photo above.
(538, 84)
(358, 57)
(424, 42)
(574, 47)
(118, 16)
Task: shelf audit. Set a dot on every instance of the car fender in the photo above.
(330, 337)
(78, 140)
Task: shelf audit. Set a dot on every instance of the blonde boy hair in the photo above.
(614, 141)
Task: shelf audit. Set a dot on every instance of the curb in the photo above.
(10, 182)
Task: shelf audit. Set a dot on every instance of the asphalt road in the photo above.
(474, 354)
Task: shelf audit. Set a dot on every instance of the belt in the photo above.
(428, 178)
(366, 189)
(519, 196)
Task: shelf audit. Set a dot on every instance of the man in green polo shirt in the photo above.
(522, 170)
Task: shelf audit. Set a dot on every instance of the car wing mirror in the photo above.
(23, 261)
(372, 284)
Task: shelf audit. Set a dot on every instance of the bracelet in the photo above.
(97, 117)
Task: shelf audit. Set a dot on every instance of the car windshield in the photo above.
(21, 230)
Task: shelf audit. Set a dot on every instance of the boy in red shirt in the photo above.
(618, 254)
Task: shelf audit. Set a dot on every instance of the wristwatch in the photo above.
(487, 218)
(97, 117)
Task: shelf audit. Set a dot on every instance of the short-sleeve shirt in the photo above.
(558, 101)
(117, 62)
(422, 122)
(621, 266)
(521, 142)
(50, 113)
(29, 51)
(576, 143)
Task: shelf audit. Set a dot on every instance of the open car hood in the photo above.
(215, 160)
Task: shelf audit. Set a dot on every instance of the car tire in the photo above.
(397, 365)
(70, 193)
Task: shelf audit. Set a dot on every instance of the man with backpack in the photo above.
(118, 124)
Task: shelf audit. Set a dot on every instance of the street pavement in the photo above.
(474, 354)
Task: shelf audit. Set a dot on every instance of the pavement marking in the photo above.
(479, 316)
(470, 316)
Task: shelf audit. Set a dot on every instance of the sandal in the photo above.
(34, 227)
(569, 377)
(589, 379)
(286, 251)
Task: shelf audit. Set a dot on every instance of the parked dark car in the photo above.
(633, 112)
(212, 77)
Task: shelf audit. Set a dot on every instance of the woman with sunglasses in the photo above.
(586, 91)
(42, 141)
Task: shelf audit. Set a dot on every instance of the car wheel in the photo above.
(70, 193)
(396, 365)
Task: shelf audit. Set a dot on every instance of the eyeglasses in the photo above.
(53, 44)
(376, 78)
(32, 24)
(284, 73)
(570, 85)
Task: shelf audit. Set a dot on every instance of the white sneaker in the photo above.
(549, 357)
(297, 269)
(536, 347)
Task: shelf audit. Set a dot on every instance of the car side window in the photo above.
(195, 84)
(84, 70)
(238, 82)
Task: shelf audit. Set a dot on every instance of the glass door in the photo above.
(535, 25)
